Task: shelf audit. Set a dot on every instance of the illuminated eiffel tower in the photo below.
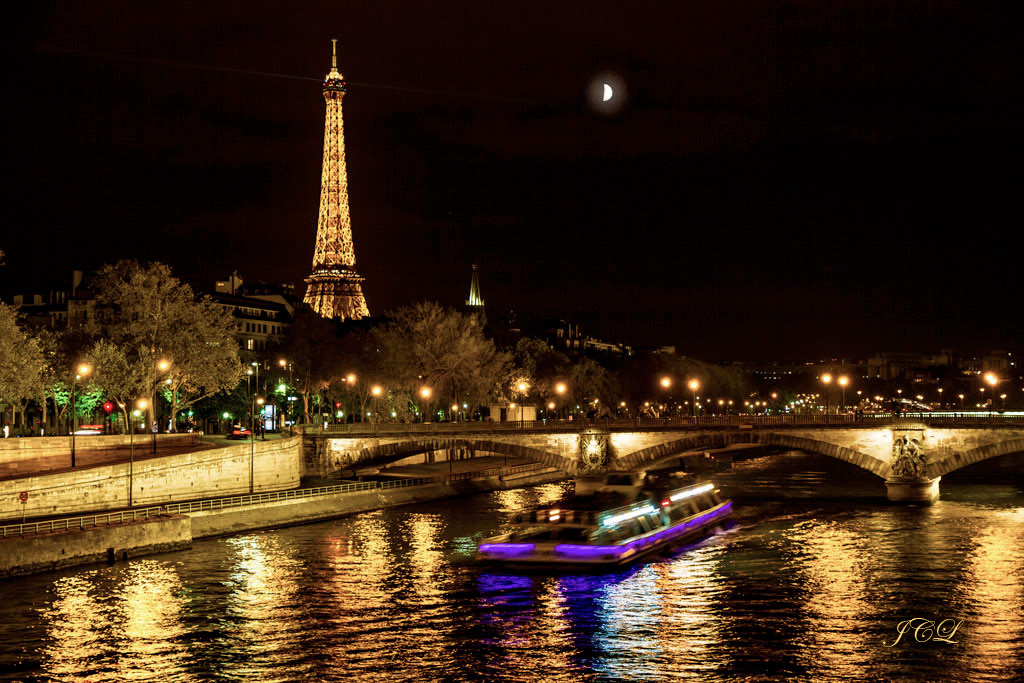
(334, 287)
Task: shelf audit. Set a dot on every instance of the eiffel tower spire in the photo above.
(334, 287)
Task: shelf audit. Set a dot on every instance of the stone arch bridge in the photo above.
(909, 455)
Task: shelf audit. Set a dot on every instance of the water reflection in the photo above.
(803, 589)
(264, 612)
(76, 629)
(837, 615)
(993, 632)
(151, 617)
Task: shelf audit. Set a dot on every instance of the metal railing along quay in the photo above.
(945, 418)
(27, 528)
(293, 494)
(80, 522)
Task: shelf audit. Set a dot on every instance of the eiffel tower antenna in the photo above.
(334, 288)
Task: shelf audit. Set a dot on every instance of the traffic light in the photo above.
(108, 407)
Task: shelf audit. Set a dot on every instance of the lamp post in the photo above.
(425, 394)
(83, 370)
(523, 388)
(162, 365)
(131, 452)
(694, 385)
(560, 389)
(843, 381)
(826, 379)
(991, 379)
(252, 442)
(377, 390)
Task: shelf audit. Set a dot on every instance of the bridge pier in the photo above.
(913, 489)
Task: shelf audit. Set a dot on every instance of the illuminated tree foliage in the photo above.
(427, 345)
(21, 362)
(152, 317)
(312, 348)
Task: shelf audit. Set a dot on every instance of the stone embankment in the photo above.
(31, 548)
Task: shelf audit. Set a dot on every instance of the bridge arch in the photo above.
(647, 456)
(391, 452)
(955, 461)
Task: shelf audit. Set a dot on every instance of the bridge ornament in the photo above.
(593, 451)
(907, 457)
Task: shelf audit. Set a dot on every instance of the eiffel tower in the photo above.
(334, 287)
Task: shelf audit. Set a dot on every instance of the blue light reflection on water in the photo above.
(808, 585)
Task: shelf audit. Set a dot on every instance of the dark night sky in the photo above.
(785, 180)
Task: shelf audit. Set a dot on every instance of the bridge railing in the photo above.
(951, 418)
(79, 522)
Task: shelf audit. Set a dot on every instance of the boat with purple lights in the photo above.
(587, 531)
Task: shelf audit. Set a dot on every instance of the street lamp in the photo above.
(991, 379)
(163, 365)
(83, 370)
(843, 381)
(694, 385)
(377, 390)
(523, 387)
(826, 380)
(141, 404)
(425, 393)
(560, 389)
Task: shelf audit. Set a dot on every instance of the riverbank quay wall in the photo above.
(299, 509)
(51, 550)
(272, 465)
(14, 449)
(34, 547)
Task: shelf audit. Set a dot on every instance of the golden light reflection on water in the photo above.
(76, 629)
(266, 594)
(995, 588)
(129, 632)
(361, 562)
(514, 500)
(426, 556)
(151, 608)
(834, 565)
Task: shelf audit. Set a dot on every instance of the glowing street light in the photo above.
(992, 380)
(826, 379)
(843, 381)
(83, 371)
(425, 394)
(694, 385)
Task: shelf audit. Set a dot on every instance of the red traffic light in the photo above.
(108, 407)
(337, 405)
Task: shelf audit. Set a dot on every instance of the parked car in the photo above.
(239, 432)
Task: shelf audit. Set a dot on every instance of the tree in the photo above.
(21, 362)
(445, 350)
(312, 348)
(115, 373)
(166, 334)
(205, 357)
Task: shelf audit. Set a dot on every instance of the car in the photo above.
(239, 432)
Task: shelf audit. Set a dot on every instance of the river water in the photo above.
(811, 583)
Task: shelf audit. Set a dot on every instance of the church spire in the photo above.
(475, 301)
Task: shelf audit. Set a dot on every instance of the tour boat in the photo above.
(584, 531)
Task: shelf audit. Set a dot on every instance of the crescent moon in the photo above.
(607, 92)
